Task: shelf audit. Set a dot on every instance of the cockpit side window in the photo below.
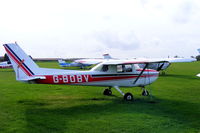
(128, 68)
(124, 68)
(105, 68)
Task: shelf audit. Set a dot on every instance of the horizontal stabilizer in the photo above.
(33, 78)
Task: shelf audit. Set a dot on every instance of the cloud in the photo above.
(118, 40)
(91, 28)
(185, 12)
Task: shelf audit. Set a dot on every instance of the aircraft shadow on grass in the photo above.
(41, 118)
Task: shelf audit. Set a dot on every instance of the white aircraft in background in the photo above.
(198, 75)
(156, 66)
(5, 64)
(62, 63)
(82, 63)
(111, 74)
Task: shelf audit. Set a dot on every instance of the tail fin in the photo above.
(23, 65)
(107, 56)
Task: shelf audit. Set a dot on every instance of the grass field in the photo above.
(33, 108)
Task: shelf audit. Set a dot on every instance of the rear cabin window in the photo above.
(119, 68)
(124, 68)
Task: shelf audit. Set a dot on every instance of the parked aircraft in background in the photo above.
(82, 63)
(62, 63)
(5, 64)
(156, 66)
(111, 74)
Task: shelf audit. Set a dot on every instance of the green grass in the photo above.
(33, 108)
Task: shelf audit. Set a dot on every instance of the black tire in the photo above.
(128, 97)
(145, 93)
(107, 92)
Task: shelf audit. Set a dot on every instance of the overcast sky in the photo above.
(90, 28)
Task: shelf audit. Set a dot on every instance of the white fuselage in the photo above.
(95, 77)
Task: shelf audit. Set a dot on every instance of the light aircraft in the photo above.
(82, 63)
(5, 64)
(198, 75)
(111, 74)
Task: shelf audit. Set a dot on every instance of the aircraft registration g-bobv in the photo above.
(111, 74)
(5, 64)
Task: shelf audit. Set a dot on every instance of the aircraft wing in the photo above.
(118, 62)
(174, 60)
(170, 60)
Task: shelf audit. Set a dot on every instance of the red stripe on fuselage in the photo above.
(18, 62)
(147, 70)
(76, 79)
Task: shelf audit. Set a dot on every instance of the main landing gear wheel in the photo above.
(107, 92)
(128, 97)
(145, 93)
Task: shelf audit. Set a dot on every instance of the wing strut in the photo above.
(141, 73)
